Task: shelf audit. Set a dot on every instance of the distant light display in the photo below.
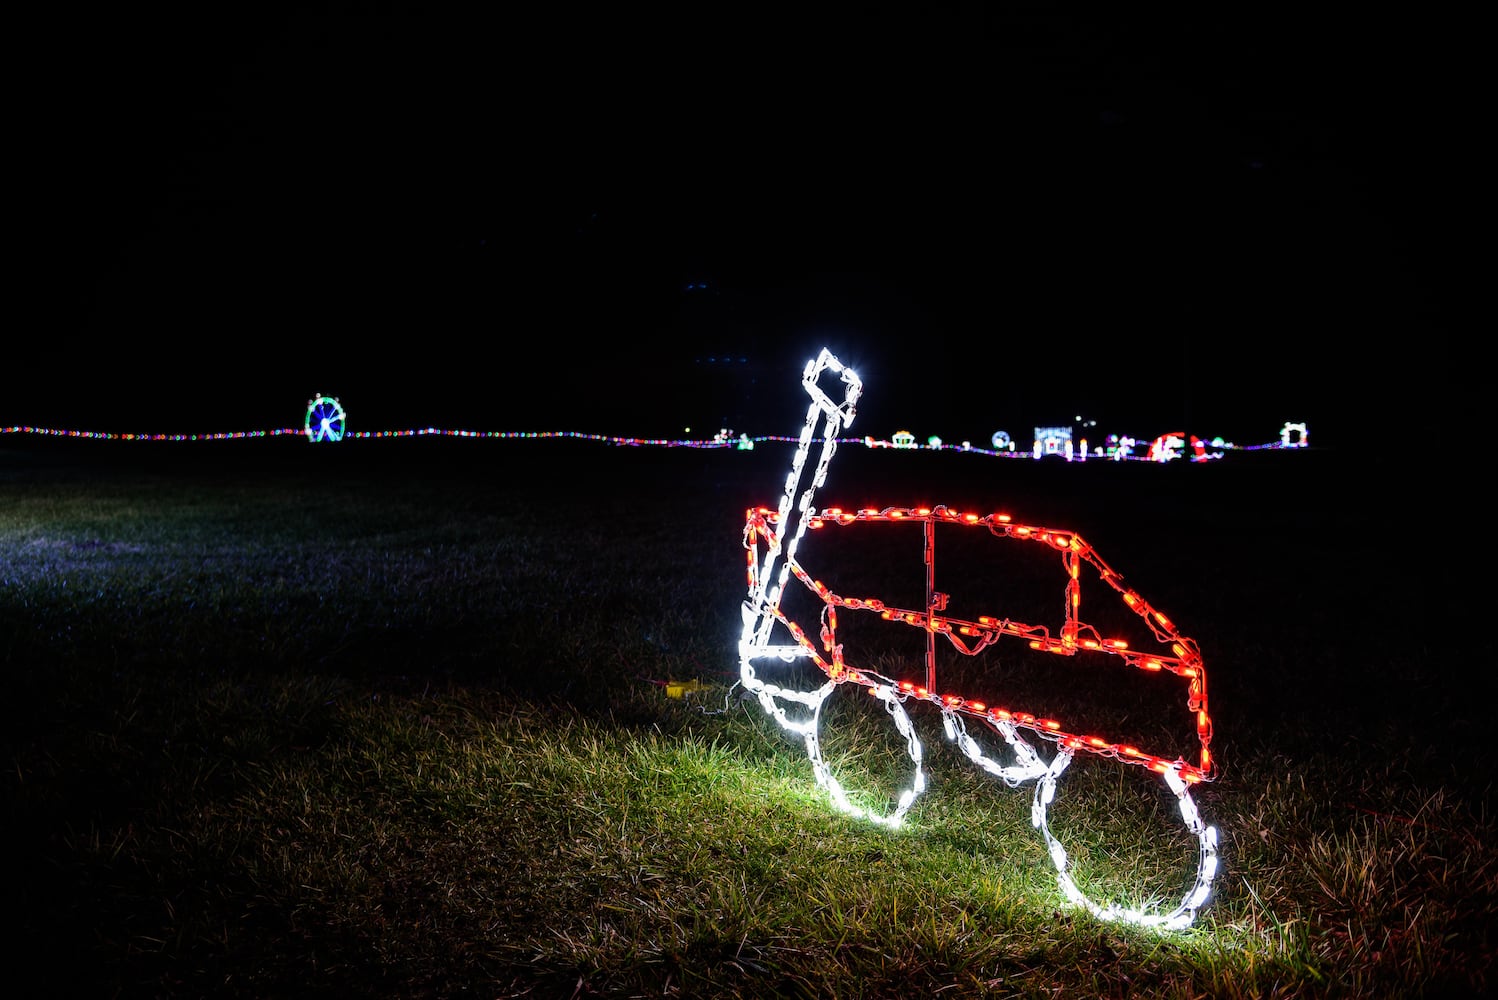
(325, 420)
(1053, 441)
(771, 641)
(1167, 447)
(1119, 449)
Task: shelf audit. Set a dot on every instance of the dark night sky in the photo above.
(1002, 214)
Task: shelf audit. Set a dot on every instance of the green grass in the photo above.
(393, 726)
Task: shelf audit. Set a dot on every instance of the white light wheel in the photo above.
(1146, 910)
(326, 420)
(775, 699)
(912, 748)
(1025, 764)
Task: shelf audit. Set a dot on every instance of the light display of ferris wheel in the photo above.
(325, 419)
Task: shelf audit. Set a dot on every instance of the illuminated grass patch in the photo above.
(399, 732)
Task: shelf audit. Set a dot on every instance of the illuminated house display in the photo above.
(1053, 441)
(799, 634)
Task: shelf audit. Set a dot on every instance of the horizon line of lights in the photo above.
(774, 535)
(741, 443)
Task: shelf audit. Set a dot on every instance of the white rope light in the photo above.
(827, 780)
(1028, 767)
(1206, 870)
(772, 640)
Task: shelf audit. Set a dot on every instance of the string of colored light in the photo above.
(771, 540)
(114, 436)
(371, 435)
(737, 444)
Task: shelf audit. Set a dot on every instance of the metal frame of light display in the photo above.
(771, 642)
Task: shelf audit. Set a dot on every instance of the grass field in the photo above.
(389, 719)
